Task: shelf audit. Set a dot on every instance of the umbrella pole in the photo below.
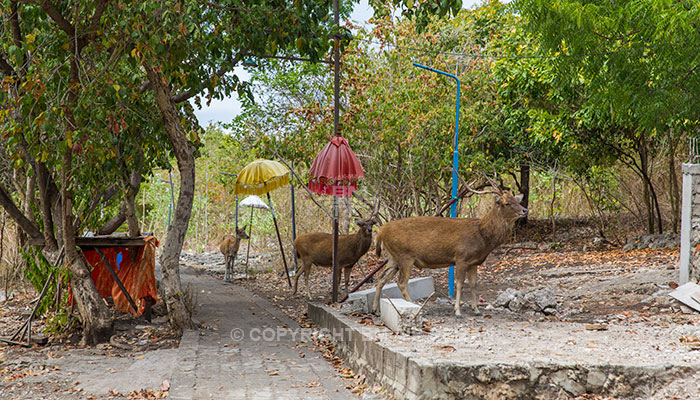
(294, 223)
(279, 239)
(336, 273)
(250, 231)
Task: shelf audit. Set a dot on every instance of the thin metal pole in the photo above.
(279, 239)
(237, 211)
(455, 164)
(294, 223)
(250, 232)
(336, 273)
(336, 70)
(206, 210)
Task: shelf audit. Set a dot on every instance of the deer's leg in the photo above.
(460, 272)
(404, 274)
(347, 271)
(297, 274)
(307, 272)
(471, 275)
(227, 267)
(387, 275)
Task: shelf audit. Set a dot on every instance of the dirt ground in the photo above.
(592, 282)
(612, 303)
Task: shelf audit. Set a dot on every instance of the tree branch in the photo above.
(27, 226)
(186, 95)
(290, 58)
(58, 18)
(99, 10)
(14, 24)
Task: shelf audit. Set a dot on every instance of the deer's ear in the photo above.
(519, 197)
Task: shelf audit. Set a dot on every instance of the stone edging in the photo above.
(411, 377)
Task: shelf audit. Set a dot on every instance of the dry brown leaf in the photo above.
(597, 327)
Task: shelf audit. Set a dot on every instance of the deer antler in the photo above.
(469, 188)
(375, 209)
(493, 184)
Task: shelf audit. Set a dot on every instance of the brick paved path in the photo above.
(247, 351)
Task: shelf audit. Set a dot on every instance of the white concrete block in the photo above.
(418, 288)
(393, 319)
(688, 294)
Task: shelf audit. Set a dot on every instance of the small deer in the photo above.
(229, 248)
(437, 242)
(317, 248)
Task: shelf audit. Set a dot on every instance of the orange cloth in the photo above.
(137, 274)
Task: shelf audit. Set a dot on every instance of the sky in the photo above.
(225, 110)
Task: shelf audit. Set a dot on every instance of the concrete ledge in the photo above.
(410, 376)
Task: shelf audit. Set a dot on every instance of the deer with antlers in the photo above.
(317, 248)
(437, 242)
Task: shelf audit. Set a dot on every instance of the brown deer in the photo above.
(317, 248)
(229, 248)
(437, 242)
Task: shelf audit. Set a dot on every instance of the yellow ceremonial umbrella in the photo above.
(261, 177)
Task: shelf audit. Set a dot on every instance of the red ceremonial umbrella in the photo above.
(335, 171)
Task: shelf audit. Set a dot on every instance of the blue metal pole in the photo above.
(455, 163)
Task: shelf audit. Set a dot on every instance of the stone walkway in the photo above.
(248, 350)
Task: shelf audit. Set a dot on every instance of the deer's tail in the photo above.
(379, 244)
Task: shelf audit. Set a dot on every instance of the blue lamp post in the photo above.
(455, 162)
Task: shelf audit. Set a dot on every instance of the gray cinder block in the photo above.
(418, 288)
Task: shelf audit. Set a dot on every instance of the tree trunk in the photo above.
(45, 201)
(673, 187)
(184, 153)
(96, 317)
(524, 189)
(651, 199)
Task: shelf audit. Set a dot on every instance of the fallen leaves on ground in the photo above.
(691, 341)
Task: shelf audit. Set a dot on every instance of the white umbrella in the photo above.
(253, 202)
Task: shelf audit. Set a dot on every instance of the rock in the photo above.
(562, 379)
(541, 299)
(517, 303)
(506, 297)
(549, 310)
(595, 379)
(657, 241)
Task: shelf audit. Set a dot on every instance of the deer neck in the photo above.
(495, 227)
